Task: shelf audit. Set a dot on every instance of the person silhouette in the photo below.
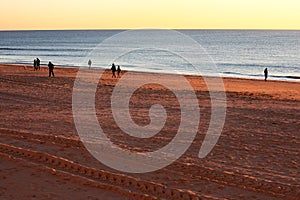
(266, 73)
(113, 70)
(34, 65)
(38, 62)
(119, 71)
(90, 64)
(51, 67)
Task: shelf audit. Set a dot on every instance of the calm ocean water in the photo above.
(235, 53)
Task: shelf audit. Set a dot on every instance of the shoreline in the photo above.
(254, 87)
(292, 79)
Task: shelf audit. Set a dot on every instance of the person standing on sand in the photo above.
(113, 70)
(51, 67)
(266, 73)
(38, 62)
(34, 65)
(90, 64)
(119, 71)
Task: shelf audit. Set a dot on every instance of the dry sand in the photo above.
(256, 157)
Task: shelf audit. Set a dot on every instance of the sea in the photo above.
(234, 53)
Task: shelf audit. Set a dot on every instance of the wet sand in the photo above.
(256, 157)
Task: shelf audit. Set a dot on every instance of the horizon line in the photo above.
(179, 29)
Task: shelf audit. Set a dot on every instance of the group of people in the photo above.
(37, 62)
(114, 70)
(37, 66)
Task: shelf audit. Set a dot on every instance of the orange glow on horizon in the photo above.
(128, 14)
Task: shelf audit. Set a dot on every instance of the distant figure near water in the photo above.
(113, 70)
(119, 71)
(51, 67)
(38, 63)
(266, 73)
(90, 64)
(34, 65)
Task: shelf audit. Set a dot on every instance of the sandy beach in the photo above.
(42, 157)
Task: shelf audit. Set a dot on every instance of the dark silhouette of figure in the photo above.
(34, 65)
(119, 71)
(113, 70)
(266, 73)
(90, 64)
(38, 62)
(51, 67)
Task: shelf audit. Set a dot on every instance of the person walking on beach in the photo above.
(34, 65)
(113, 70)
(266, 73)
(90, 64)
(51, 67)
(119, 71)
(38, 62)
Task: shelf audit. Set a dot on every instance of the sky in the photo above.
(131, 14)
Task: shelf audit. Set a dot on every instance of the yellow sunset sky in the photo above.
(128, 14)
